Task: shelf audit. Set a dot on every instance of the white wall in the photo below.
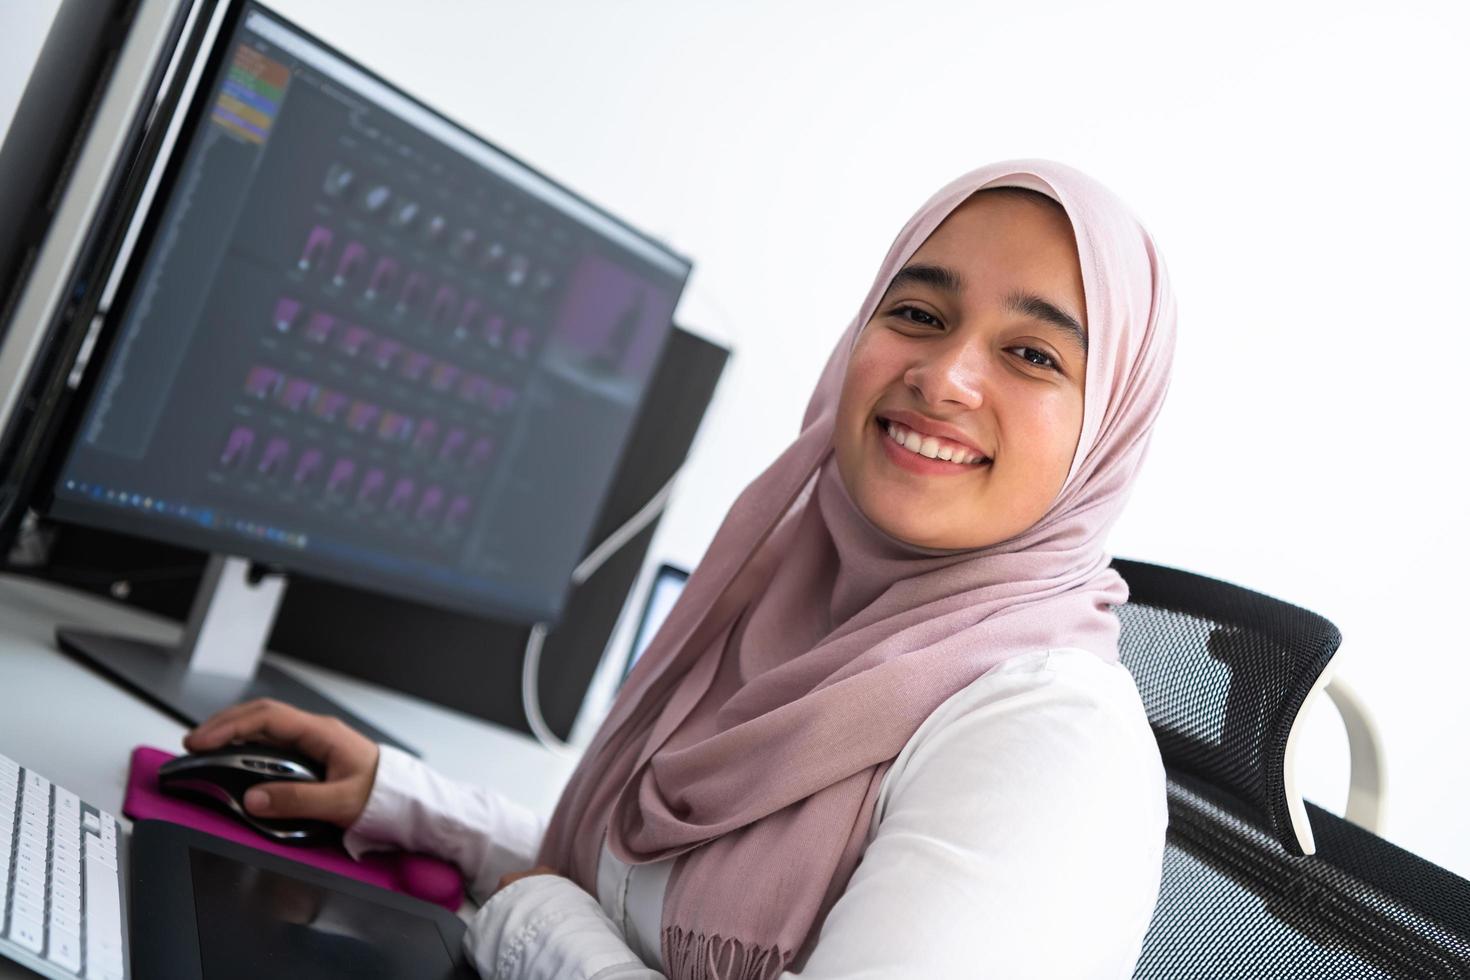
(1302, 165)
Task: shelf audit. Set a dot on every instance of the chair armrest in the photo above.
(1367, 802)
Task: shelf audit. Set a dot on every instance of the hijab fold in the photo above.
(750, 740)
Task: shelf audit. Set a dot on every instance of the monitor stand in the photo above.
(218, 661)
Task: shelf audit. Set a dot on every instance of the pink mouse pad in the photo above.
(418, 875)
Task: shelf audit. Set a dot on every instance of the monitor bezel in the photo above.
(667, 572)
(48, 504)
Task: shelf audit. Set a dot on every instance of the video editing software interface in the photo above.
(367, 345)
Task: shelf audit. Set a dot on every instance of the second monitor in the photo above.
(357, 341)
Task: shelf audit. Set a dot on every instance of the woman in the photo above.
(884, 732)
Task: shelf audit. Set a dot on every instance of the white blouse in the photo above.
(1020, 833)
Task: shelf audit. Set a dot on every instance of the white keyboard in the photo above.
(60, 892)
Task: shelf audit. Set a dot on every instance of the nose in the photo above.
(949, 373)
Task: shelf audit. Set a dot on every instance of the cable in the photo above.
(530, 695)
(531, 659)
(631, 527)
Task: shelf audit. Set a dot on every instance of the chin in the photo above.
(910, 525)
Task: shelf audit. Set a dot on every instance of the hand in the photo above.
(511, 876)
(351, 759)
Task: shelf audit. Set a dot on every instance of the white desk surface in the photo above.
(77, 729)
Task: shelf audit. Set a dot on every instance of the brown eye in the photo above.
(1045, 359)
(913, 314)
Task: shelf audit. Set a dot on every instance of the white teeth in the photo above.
(929, 446)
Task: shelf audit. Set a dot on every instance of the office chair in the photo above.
(1256, 881)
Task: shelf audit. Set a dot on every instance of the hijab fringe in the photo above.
(695, 956)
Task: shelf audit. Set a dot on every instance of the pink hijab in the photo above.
(751, 738)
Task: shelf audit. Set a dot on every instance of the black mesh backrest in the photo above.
(1223, 672)
(1233, 903)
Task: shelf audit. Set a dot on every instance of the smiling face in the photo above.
(969, 359)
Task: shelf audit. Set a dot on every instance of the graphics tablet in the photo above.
(206, 907)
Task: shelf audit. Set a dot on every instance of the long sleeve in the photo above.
(545, 927)
(1020, 832)
(415, 808)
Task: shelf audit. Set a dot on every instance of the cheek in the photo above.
(1052, 430)
(871, 360)
(867, 375)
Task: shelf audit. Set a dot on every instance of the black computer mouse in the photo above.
(221, 777)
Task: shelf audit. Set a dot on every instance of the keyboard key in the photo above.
(104, 913)
(26, 932)
(97, 850)
(26, 911)
(36, 802)
(111, 970)
(65, 949)
(68, 803)
(66, 898)
(29, 884)
(30, 888)
(26, 900)
(66, 871)
(66, 883)
(66, 889)
(66, 914)
(31, 868)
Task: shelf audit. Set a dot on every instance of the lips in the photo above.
(939, 439)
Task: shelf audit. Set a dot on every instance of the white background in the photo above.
(1302, 165)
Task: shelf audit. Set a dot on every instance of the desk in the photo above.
(78, 729)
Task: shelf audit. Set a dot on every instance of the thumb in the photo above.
(311, 801)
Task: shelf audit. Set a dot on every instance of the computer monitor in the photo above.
(355, 340)
(67, 173)
(668, 583)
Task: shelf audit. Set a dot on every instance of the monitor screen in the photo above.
(668, 583)
(254, 922)
(358, 341)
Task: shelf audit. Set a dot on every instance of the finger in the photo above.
(331, 802)
(202, 736)
(263, 720)
(270, 722)
(235, 710)
(220, 728)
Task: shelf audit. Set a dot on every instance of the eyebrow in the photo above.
(947, 280)
(1028, 304)
(942, 278)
